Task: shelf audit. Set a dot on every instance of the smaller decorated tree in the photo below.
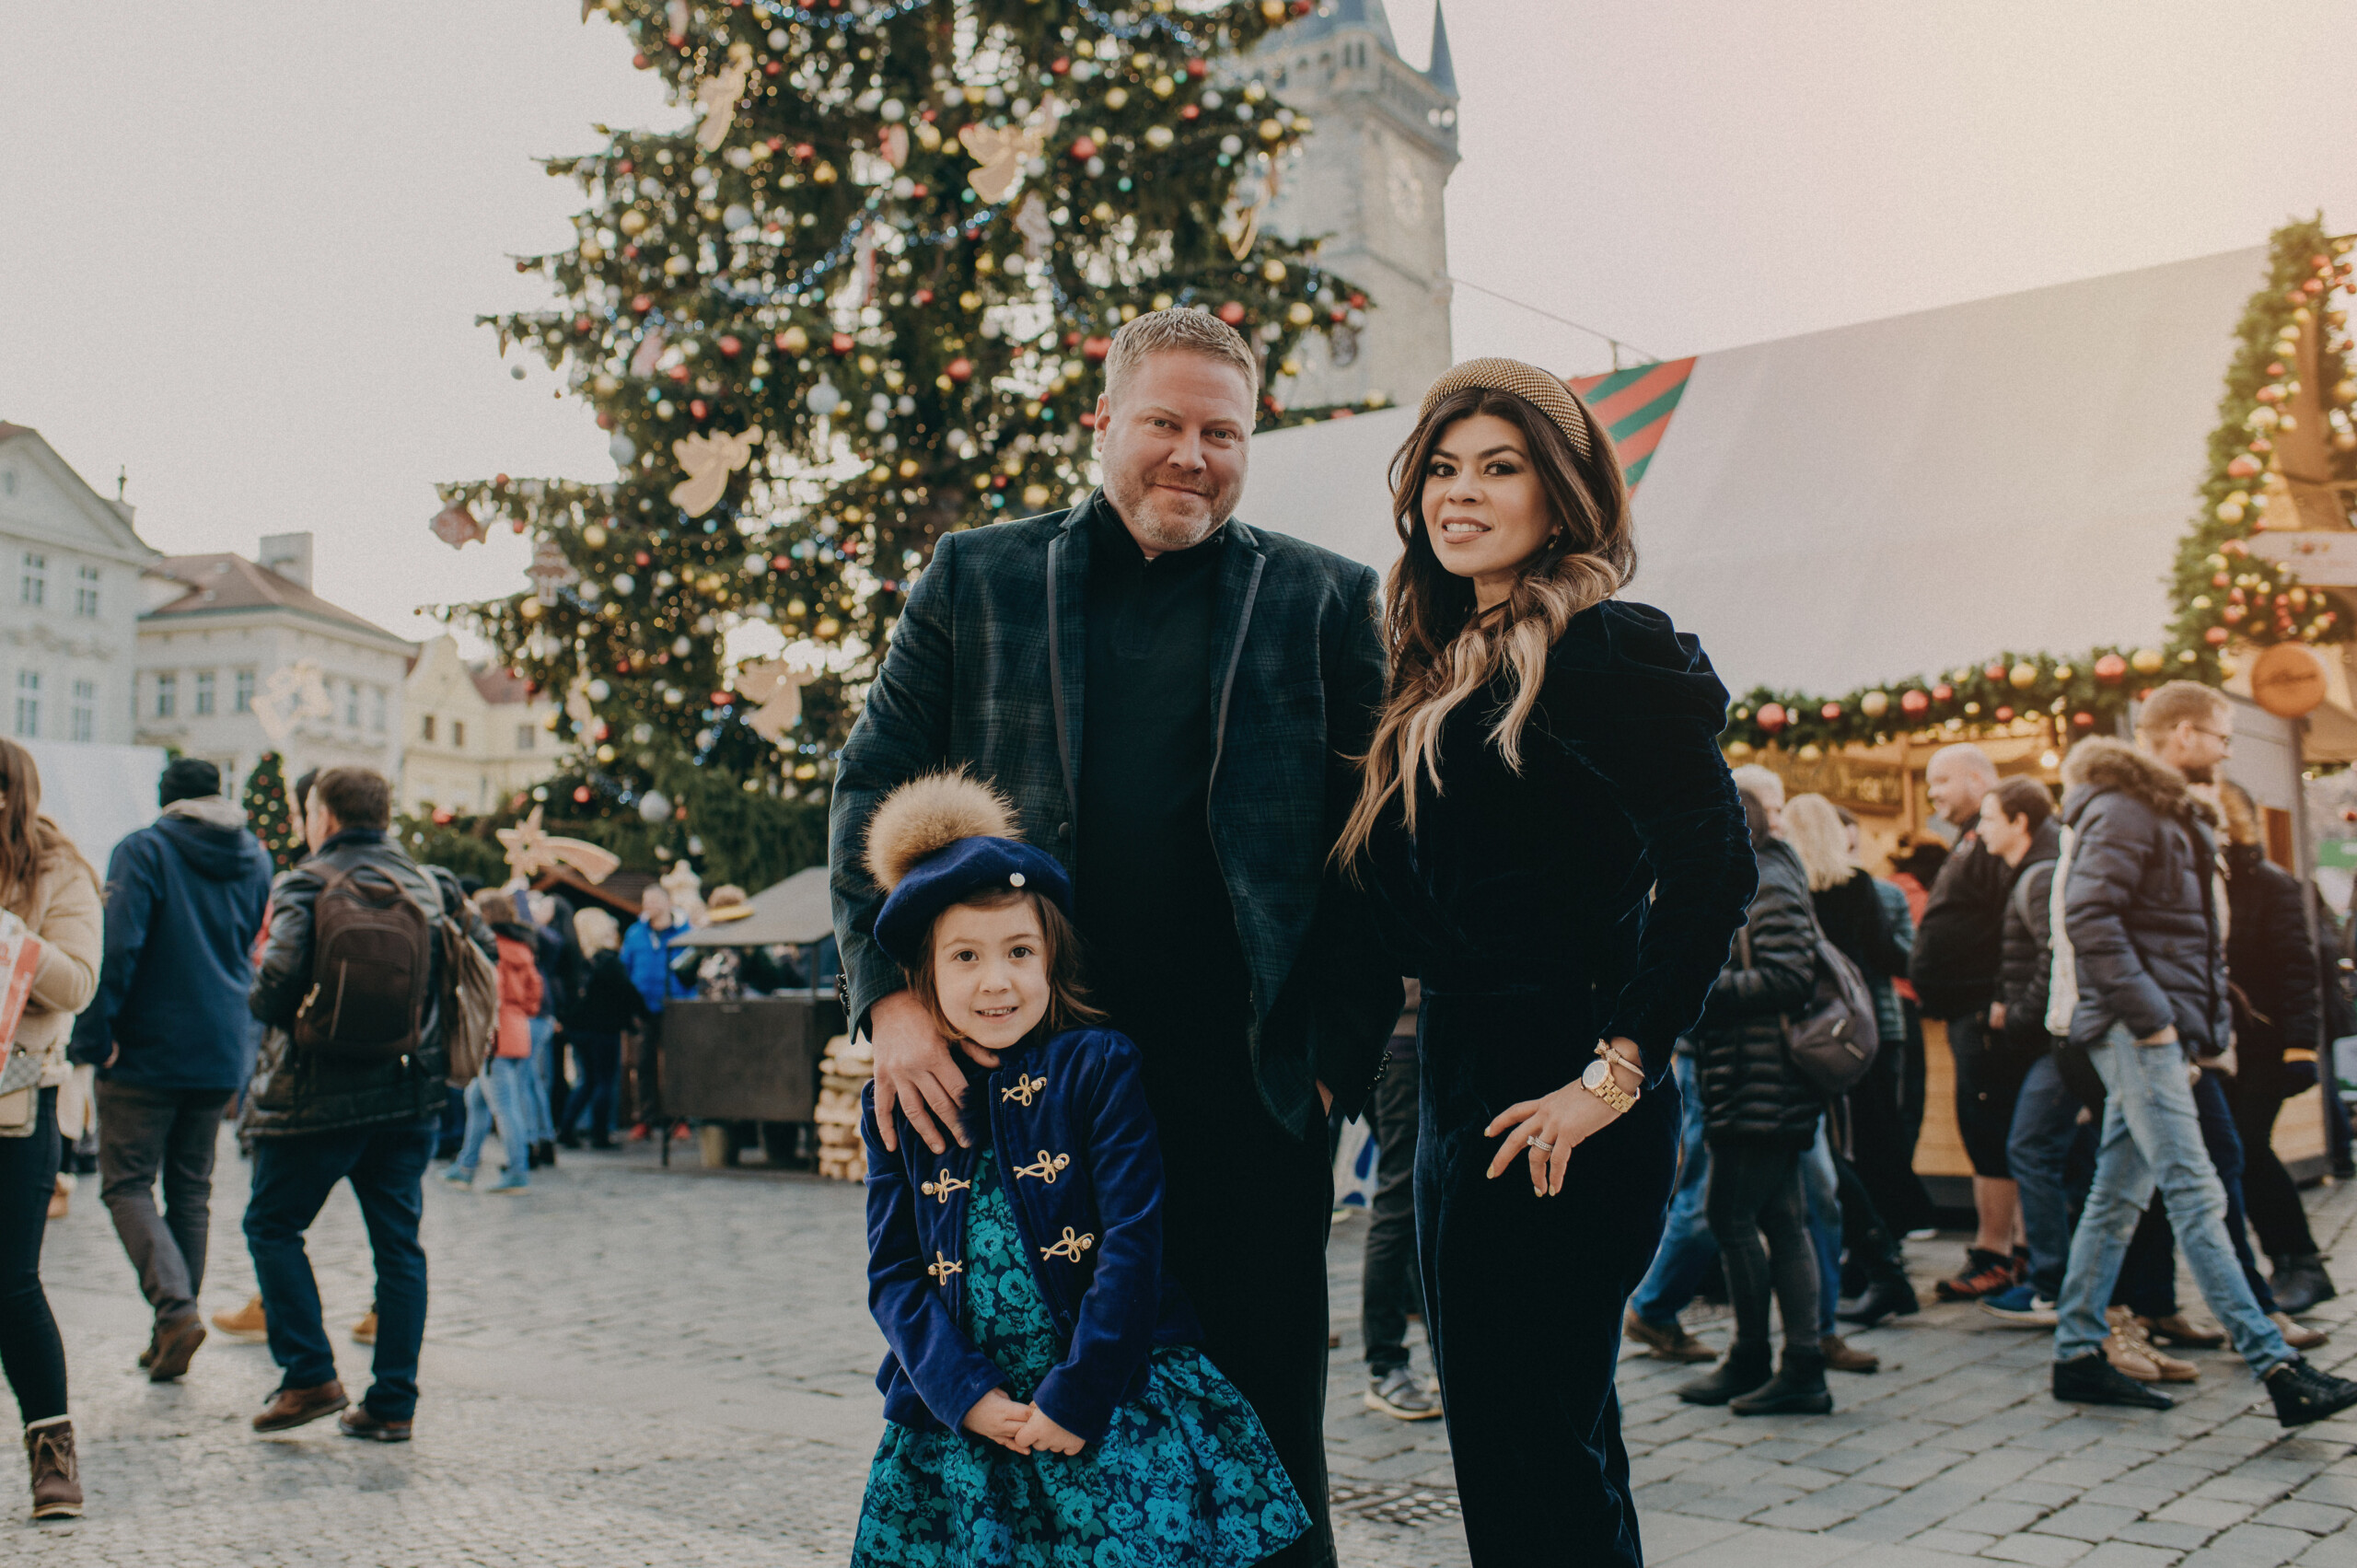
(270, 814)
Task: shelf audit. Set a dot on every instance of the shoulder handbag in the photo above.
(1832, 1043)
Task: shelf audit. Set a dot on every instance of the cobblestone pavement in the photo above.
(630, 1367)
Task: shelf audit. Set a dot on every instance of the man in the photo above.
(170, 1037)
(1954, 971)
(1171, 700)
(320, 1117)
(2139, 912)
(647, 959)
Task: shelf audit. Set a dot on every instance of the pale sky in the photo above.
(242, 245)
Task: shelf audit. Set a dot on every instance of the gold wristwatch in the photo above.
(1598, 1081)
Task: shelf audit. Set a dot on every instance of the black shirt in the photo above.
(1159, 933)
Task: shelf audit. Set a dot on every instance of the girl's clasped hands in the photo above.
(1012, 1425)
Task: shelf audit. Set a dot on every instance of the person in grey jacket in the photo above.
(2141, 912)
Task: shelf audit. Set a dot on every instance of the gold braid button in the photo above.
(1071, 1247)
(944, 1187)
(1023, 1089)
(1045, 1166)
(941, 1268)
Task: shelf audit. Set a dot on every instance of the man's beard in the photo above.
(1163, 528)
(2205, 774)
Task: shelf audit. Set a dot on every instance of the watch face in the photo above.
(1594, 1077)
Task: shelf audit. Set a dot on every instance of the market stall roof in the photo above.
(799, 908)
(1896, 497)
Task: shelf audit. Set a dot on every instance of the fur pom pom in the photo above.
(930, 814)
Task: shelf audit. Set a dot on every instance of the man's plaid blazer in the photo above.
(986, 669)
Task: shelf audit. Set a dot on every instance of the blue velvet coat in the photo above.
(1078, 1157)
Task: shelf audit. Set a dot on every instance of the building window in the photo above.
(86, 709)
(377, 709)
(458, 733)
(523, 733)
(203, 694)
(168, 696)
(243, 701)
(425, 727)
(34, 586)
(351, 705)
(28, 703)
(85, 591)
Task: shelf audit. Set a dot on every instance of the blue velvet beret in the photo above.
(956, 873)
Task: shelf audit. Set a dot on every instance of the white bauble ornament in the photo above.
(653, 807)
(824, 399)
(621, 448)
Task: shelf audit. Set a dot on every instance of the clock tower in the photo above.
(1369, 178)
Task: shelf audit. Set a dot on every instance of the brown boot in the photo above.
(290, 1407)
(2299, 1336)
(57, 1480)
(1840, 1357)
(1666, 1342)
(365, 1331)
(2179, 1329)
(247, 1325)
(361, 1421)
(176, 1342)
(2135, 1344)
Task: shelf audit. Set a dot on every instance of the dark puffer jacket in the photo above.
(294, 1092)
(1954, 966)
(2140, 907)
(2271, 962)
(1750, 1092)
(2026, 974)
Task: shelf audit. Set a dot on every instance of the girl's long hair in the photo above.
(30, 842)
(1443, 651)
(1817, 834)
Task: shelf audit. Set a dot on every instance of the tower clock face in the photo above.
(1407, 190)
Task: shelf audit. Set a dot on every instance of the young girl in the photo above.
(1047, 1403)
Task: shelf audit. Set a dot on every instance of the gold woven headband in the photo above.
(1529, 383)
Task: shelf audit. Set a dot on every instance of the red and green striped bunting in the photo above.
(1634, 406)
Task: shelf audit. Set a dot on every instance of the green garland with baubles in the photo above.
(2224, 595)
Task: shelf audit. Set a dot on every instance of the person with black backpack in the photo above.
(350, 981)
(1759, 1115)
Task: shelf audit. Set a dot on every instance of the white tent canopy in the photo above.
(1896, 497)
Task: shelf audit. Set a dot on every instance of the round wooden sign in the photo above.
(2288, 681)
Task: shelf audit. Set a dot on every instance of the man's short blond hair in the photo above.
(2172, 703)
(1190, 332)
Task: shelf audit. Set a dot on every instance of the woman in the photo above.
(1759, 1117)
(45, 883)
(1545, 760)
(607, 1004)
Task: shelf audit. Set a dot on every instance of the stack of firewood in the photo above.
(844, 1072)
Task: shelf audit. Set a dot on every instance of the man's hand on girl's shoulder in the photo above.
(915, 1072)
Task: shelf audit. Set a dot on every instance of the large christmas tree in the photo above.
(271, 814)
(860, 303)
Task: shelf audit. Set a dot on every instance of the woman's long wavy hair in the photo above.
(30, 842)
(1443, 650)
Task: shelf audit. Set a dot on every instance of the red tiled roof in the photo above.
(226, 582)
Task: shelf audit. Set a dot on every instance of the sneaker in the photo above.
(2303, 1394)
(1397, 1394)
(1666, 1342)
(247, 1325)
(510, 1180)
(290, 1407)
(360, 1421)
(2131, 1348)
(460, 1176)
(2179, 1329)
(1985, 1274)
(2021, 1307)
(175, 1346)
(2089, 1379)
(2299, 1336)
(365, 1331)
(57, 1477)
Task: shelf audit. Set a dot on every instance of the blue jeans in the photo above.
(505, 1091)
(292, 1177)
(1687, 1249)
(1821, 1185)
(2038, 1149)
(544, 1076)
(2152, 1133)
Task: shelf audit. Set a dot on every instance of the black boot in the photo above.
(2089, 1379)
(1887, 1295)
(2303, 1393)
(1798, 1387)
(2300, 1282)
(568, 1139)
(1747, 1368)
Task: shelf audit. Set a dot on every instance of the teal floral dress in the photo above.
(1185, 1476)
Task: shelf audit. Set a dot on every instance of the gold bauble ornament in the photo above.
(1873, 705)
(1811, 752)
(2146, 661)
(2023, 676)
(1739, 751)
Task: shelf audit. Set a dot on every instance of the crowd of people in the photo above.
(2180, 940)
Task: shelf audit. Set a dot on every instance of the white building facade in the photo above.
(235, 658)
(70, 569)
(477, 738)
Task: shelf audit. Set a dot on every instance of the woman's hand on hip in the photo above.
(1545, 1131)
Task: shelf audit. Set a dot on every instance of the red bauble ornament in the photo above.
(641, 303)
(1059, 65)
(1942, 693)
(960, 369)
(2111, 669)
(732, 346)
(1084, 149)
(772, 68)
(605, 420)
(922, 296)
(2215, 636)
(1995, 672)
(840, 342)
(2082, 721)
(1913, 703)
(581, 794)
(1830, 712)
(2243, 467)
(697, 408)
(581, 323)
(1191, 111)
(2005, 716)
(639, 62)
(1232, 313)
(643, 559)
(1096, 349)
(1772, 717)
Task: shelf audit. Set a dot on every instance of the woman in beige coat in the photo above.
(44, 882)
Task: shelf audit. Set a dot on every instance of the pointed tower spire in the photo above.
(1442, 71)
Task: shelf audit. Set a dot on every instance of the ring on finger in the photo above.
(1541, 1145)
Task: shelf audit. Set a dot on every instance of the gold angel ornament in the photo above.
(708, 461)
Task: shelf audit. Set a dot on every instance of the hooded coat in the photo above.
(184, 901)
(1751, 1092)
(2024, 972)
(2141, 906)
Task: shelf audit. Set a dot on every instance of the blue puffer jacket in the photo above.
(1080, 1163)
(2142, 904)
(184, 902)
